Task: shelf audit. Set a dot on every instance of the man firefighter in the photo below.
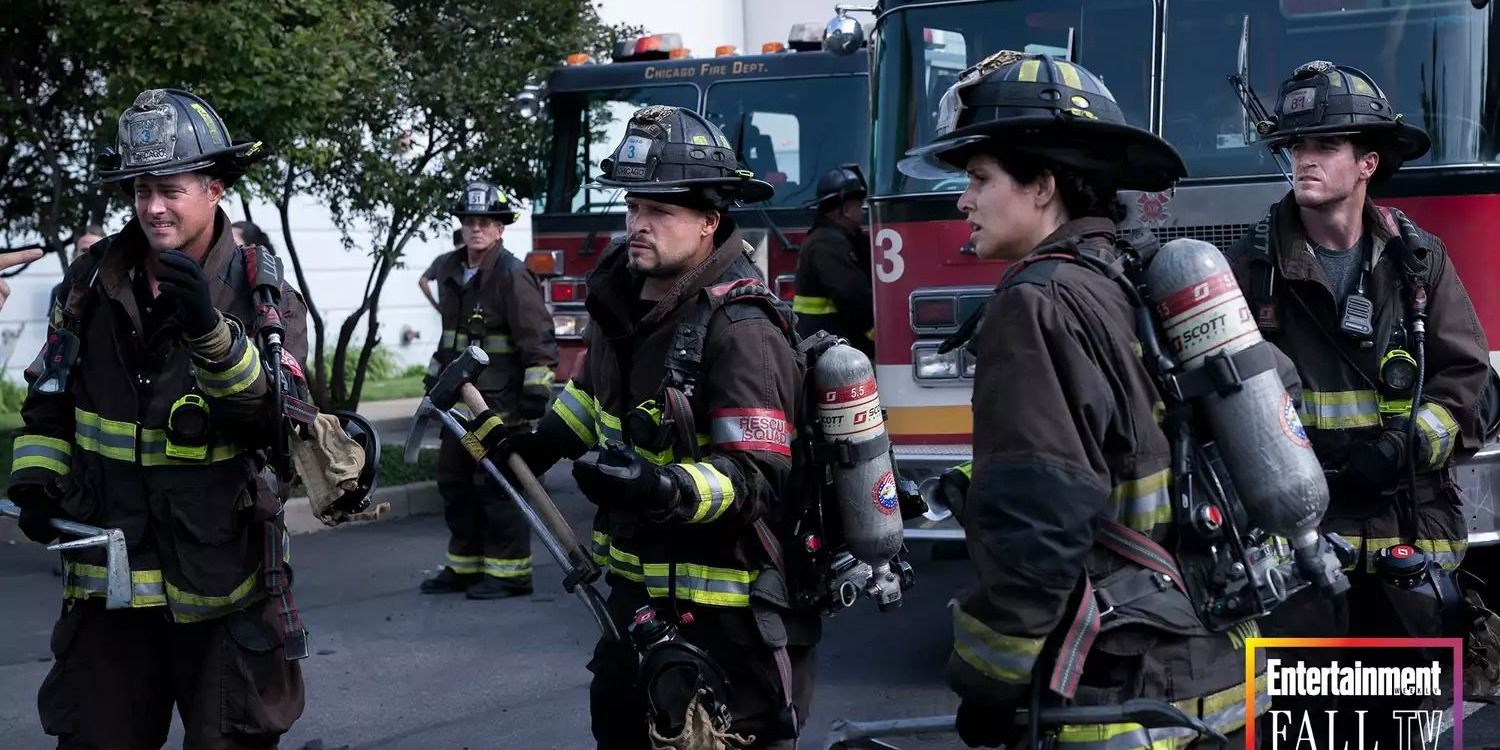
(149, 411)
(1345, 289)
(1070, 479)
(487, 298)
(833, 270)
(679, 424)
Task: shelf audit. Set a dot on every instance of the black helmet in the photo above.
(1323, 99)
(361, 431)
(670, 150)
(169, 131)
(844, 181)
(481, 198)
(1052, 108)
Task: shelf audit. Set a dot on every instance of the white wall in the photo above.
(336, 277)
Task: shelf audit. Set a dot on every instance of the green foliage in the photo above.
(414, 371)
(12, 394)
(394, 470)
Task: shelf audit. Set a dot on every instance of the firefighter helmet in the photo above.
(170, 131)
(1048, 107)
(670, 150)
(843, 181)
(1324, 99)
(481, 198)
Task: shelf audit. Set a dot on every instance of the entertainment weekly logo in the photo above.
(1350, 715)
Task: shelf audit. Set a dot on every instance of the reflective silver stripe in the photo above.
(1434, 429)
(498, 343)
(1339, 410)
(608, 426)
(1145, 502)
(449, 339)
(82, 581)
(39, 452)
(433, 368)
(538, 376)
(1008, 659)
(713, 491)
(190, 607)
(508, 568)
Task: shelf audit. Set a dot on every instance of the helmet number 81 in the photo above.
(892, 265)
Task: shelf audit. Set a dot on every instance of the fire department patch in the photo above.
(1291, 424)
(884, 494)
(751, 430)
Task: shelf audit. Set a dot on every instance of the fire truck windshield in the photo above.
(1433, 58)
(790, 131)
(921, 49)
(586, 126)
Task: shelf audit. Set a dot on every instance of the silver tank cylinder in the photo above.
(848, 411)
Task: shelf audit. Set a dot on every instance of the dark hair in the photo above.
(93, 229)
(1081, 195)
(254, 235)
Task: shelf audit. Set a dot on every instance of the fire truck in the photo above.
(792, 113)
(1168, 64)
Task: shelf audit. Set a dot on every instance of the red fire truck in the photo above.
(1168, 64)
(792, 112)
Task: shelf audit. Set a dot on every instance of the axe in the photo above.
(117, 568)
(456, 383)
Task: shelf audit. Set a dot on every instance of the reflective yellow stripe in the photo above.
(1445, 552)
(608, 426)
(190, 607)
(807, 305)
(1145, 502)
(1029, 70)
(966, 468)
(464, 564)
(538, 376)
(1069, 74)
(1005, 658)
(498, 343)
(154, 451)
(501, 567)
(1339, 410)
(83, 581)
(41, 452)
(577, 410)
(714, 491)
(1437, 426)
(106, 437)
(449, 339)
(701, 584)
(236, 379)
(1224, 711)
(600, 551)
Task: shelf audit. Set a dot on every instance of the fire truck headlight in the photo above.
(570, 325)
(970, 365)
(928, 364)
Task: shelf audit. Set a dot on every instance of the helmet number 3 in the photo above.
(635, 149)
(892, 265)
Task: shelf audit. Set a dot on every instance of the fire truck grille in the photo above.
(1222, 236)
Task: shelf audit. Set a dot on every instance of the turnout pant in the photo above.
(117, 675)
(487, 532)
(617, 706)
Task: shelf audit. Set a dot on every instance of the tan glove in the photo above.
(329, 463)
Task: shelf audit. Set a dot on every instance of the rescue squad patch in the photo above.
(1291, 424)
(751, 430)
(884, 494)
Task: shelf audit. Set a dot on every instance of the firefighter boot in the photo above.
(449, 582)
(490, 587)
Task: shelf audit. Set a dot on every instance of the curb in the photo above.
(406, 500)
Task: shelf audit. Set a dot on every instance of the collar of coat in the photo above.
(613, 289)
(126, 252)
(1097, 233)
(1295, 257)
(458, 260)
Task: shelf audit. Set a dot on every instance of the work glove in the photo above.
(618, 478)
(984, 722)
(1376, 466)
(495, 437)
(39, 504)
(183, 281)
(534, 400)
(953, 488)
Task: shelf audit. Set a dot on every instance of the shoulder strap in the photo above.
(1262, 260)
(71, 305)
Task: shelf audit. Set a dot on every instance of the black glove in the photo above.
(534, 400)
(988, 723)
(39, 505)
(953, 489)
(1375, 466)
(183, 280)
(621, 479)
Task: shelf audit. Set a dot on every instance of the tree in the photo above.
(442, 118)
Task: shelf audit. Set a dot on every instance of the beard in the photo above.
(638, 266)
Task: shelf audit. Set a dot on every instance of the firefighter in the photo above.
(1331, 279)
(157, 424)
(488, 298)
(833, 272)
(1071, 468)
(684, 478)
